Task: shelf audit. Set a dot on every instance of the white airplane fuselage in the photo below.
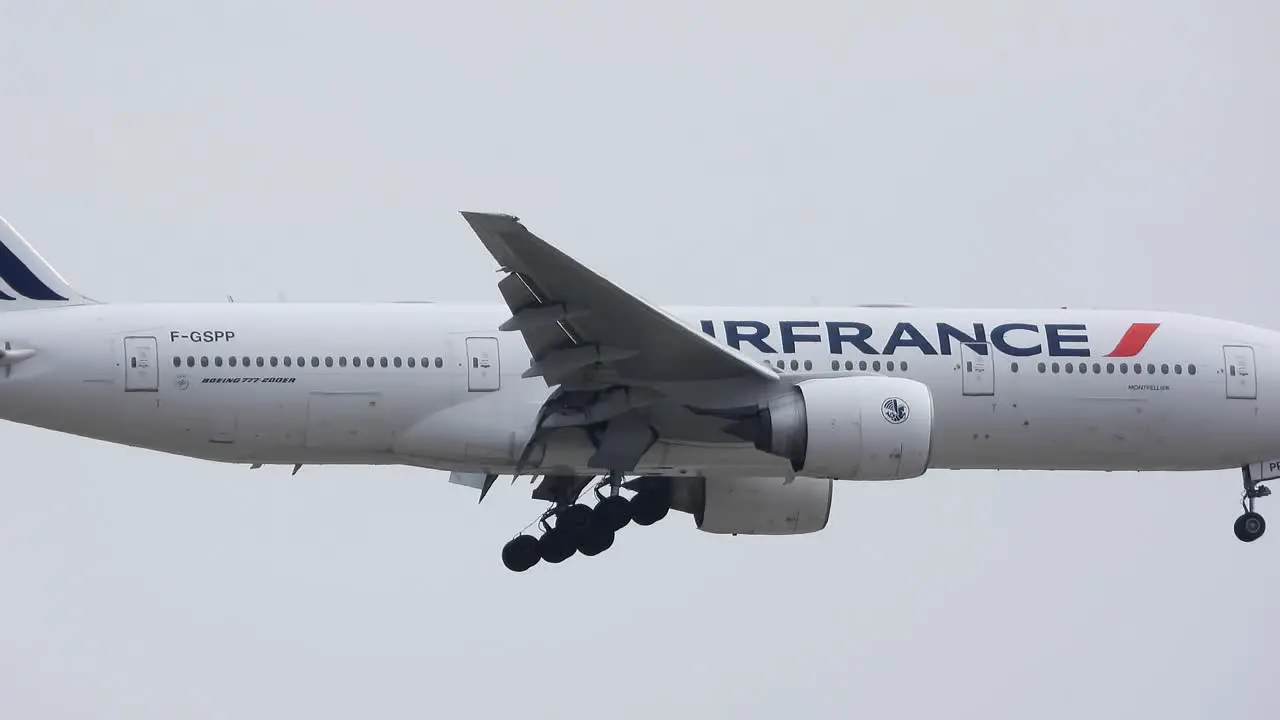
(279, 384)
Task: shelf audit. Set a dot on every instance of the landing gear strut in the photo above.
(579, 528)
(1250, 525)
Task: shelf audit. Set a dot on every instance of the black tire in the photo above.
(575, 522)
(555, 546)
(1250, 526)
(650, 506)
(613, 512)
(600, 539)
(521, 553)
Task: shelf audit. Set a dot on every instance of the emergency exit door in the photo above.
(977, 369)
(482, 364)
(142, 370)
(1242, 378)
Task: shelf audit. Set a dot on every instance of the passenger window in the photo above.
(273, 361)
(1111, 368)
(1097, 369)
(411, 361)
(1084, 368)
(302, 362)
(231, 361)
(439, 362)
(177, 361)
(204, 361)
(1177, 369)
(782, 365)
(191, 361)
(246, 361)
(342, 361)
(1191, 369)
(1137, 368)
(1055, 368)
(261, 361)
(328, 361)
(876, 366)
(902, 366)
(1164, 369)
(835, 364)
(383, 362)
(288, 361)
(369, 361)
(848, 365)
(1124, 368)
(1070, 368)
(862, 365)
(1013, 366)
(889, 366)
(315, 361)
(1151, 368)
(217, 360)
(1041, 367)
(396, 361)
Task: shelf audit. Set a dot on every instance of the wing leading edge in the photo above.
(585, 331)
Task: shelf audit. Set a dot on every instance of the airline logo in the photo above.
(1134, 339)
(1014, 339)
(19, 277)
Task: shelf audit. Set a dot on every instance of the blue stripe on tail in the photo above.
(19, 277)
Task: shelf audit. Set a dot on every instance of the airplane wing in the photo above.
(584, 331)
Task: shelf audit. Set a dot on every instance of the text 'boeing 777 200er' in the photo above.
(744, 417)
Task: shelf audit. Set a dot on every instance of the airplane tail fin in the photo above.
(26, 280)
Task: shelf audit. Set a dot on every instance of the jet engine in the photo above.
(762, 505)
(851, 428)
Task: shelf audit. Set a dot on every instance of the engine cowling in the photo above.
(763, 506)
(851, 428)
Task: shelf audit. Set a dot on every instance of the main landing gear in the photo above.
(1250, 525)
(579, 528)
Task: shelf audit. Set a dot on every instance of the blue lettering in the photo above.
(836, 337)
(906, 335)
(790, 338)
(734, 335)
(998, 339)
(947, 333)
(1060, 340)
(1055, 336)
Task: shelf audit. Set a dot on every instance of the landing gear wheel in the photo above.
(600, 539)
(521, 553)
(555, 546)
(1250, 526)
(575, 522)
(613, 512)
(650, 505)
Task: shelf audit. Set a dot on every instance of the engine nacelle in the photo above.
(866, 427)
(762, 506)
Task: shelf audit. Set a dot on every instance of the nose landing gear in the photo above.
(1251, 525)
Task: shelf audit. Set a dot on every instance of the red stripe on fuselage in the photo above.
(1135, 338)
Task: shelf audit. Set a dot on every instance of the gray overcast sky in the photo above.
(980, 154)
